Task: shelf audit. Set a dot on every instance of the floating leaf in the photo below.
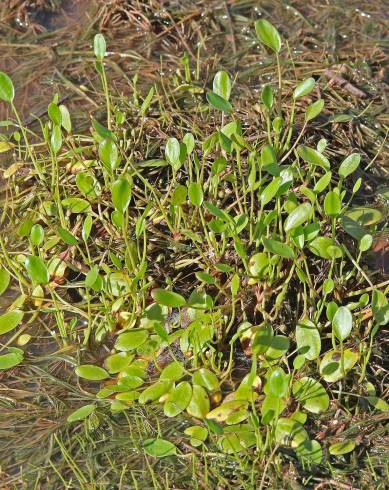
(159, 448)
(298, 216)
(206, 378)
(313, 157)
(222, 85)
(366, 242)
(319, 246)
(218, 102)
(118, 362)
(76, 205)
(197, 434)
(304, 88)
(172, 153)
(311, 394)
(270, 191)
(99, 46)
(178, 399)
(259, 264)
(262, 339)
(314, 110)
(65, 118)
(226, 409)
(290, 432)
(87, 184)
(332, 204)
(342, 323)
(279, 345)
(168, 298)
(5, 278)
(56, 139)
(268, 34)
(91, 372)
(189, 142)
(81, 413)
(66, 236)
(131, 339)
(108, 153)
(37, 269)
(121, 194)
(10, 360)
(365, 216)
(349, 165)
(310, 452)
(10, 320)
(339, 448)
(195, 193)
(277, 383)
(278, 248)
(199, 404)
(7, 91)
(172, 372)
(308, 339)
(267, 97)
(37, 235)
(155, 391)
(330, 368)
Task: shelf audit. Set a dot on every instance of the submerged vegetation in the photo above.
(204, 289)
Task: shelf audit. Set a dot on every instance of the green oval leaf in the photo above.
(342, 323)
(66, 236)
(108, 153)
(81, 413)
(5, 278)
(37, 269)
(313, 157)
(298, 216)
(76, 205)
(330, 368)
(10, 360)
(332, 204)
(278, 248)
(278, 383)
(172, 153)
(270, 191)
(304, 88)
(218, 102)
(172, 372)
(10, 320)
(199, 404)
(267, 97)
(195, 193)
(349, 165)
(131, 340)
(314, 110)
(339, 448)
(91, 372)
(308, 339)
(121, 194)
(311, 394)
(7, 91)
(268, 34)
(168, 298)
(178, 399)
(222, 85)
(99, 46)
(159, 448)
(206, 378)
(155, 391)
(319, 246)
(37, 235)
